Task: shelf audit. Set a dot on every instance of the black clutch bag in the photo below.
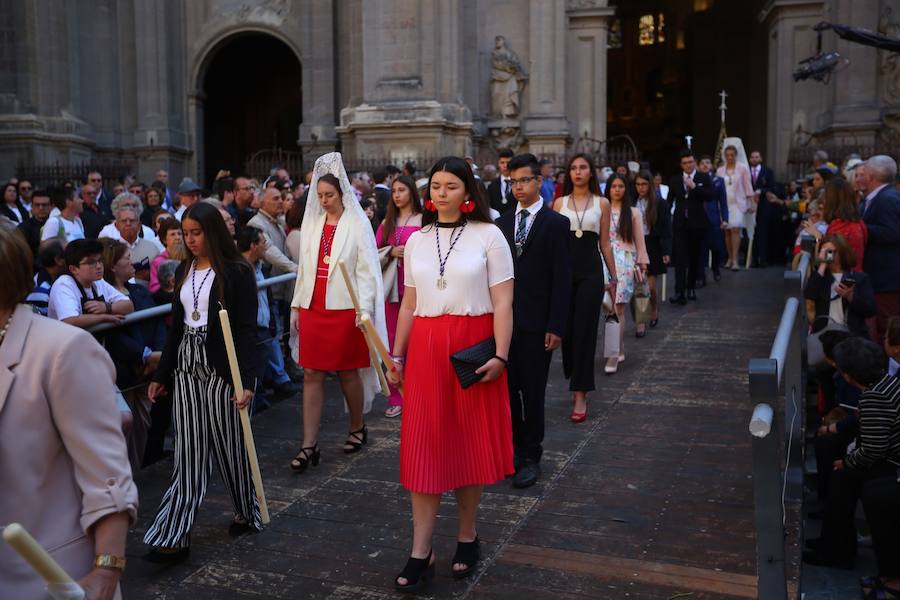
(467, 360)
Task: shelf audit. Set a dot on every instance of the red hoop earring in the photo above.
(467, 207)
(429, 206)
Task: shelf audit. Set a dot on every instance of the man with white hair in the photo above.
(128, 225)
(129, 200)
(881, 213)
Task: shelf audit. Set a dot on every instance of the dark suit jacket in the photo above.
(882, 259)
(717, 205)
(382, 197)
(543, 272)
(765, 182)
(818, 289)
(93, 222)
(690, 212)
(104, 202)
(31, 229)
(240, 299)
(495, 200)
(17, 214)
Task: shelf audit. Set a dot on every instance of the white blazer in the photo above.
(347, 246)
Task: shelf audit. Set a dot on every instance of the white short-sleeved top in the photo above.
(65, 297)
(480, 259)
(203, 283)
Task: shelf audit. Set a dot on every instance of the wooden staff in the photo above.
(380, 348)
(369, 337)
(59, 584)
(245, 417)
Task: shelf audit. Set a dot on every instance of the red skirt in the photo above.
(330, 339)
(451, 437)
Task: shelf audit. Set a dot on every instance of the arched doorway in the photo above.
(252, 101)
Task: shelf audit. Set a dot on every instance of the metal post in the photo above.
(767, 498)
(794, 391)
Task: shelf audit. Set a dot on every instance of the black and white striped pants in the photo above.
(206, 423)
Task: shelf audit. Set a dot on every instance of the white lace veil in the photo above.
(313, 222)
(741, 159)
(741, 154)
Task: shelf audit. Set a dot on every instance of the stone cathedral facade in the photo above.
(145, 81)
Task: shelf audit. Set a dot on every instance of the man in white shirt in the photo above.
(500, 191)
(143, 251)
(65, 225)
(81, 297)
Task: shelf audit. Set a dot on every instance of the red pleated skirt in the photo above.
(451, 437)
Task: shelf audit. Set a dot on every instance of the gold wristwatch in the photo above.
(108, 561)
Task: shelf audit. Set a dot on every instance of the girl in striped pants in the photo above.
(194, 369)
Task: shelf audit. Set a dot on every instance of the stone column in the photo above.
(320, 67)
(159, 139)
(856, 114)
(790, 105)
(411, 63)
(546, 127)
(585, 66)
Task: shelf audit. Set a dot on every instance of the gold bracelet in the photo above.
(108, 561)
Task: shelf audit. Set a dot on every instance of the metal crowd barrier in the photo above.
(164, 309)
(778, 438)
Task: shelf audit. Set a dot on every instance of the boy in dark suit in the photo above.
(500, 193)
(688, 191)
(539, 240)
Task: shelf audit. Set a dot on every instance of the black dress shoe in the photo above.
(717, 275)
(678, 300)
(653, 322)
(700, 283)
(527, 475)
(691, 295)
(155, 556)
(820, 559)
(237, 529)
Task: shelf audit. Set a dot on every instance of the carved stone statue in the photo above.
(889, 26)
(507, 80)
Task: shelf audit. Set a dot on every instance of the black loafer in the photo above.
(653, 322)
(527, 475)
(717, 276)
(237, 529)
(678, 300)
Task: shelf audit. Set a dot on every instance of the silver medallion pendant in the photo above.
(195, 315)
(441, 283)
(578, 233)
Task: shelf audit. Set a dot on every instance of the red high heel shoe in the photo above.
(578, 417)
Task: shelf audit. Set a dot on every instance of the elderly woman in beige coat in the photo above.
(64, 466)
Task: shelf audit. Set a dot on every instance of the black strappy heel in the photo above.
(468, 554)
(361, 435)
(306, 456)
(417, 572)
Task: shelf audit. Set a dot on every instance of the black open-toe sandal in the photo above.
(355, 440)
(468, 554)
(305, 457)
(417, 572)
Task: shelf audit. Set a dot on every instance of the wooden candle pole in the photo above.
(21, 541)
(245, 417)
(369, 333)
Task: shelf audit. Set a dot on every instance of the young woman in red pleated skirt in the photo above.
(458, 275)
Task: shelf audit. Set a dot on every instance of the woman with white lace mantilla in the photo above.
(335, 230)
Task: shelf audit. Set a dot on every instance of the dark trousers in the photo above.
(688, 244)
(881, 501)
(844, 490)
(529, 367)
(761, 235)
(829, 447)
(579, 345)
(713, 242)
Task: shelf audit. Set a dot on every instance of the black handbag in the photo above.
(467, 360)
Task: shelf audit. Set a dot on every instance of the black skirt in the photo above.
(654, 251)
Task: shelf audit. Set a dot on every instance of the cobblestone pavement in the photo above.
(650, 498)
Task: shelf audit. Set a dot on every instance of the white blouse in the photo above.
(480, 260)
(590, 216)
(203, 290)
